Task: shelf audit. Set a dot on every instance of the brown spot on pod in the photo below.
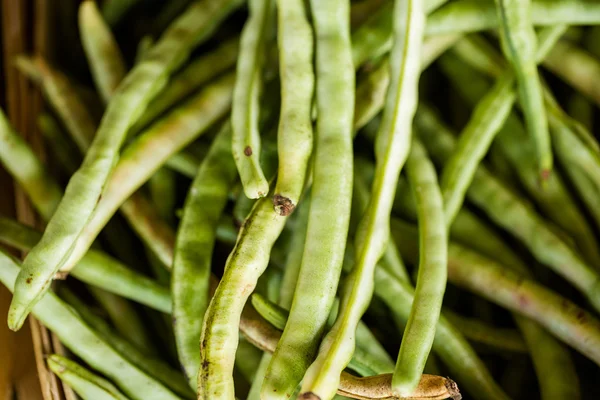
(248, 151)
(283, 205)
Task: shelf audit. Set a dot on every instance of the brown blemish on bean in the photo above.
(308, 396)
(28, 280)
(283, 205)
(248, 151)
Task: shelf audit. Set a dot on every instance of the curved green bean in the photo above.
(86, 186)
(195, 74)
(86, 344)
(246, 263)
(86, 384)
(519, 46)
(147, 153)
(26, 168)
(204, 205)
(154, 367)
(96, 268)
(103, 54)
(295, 135)
(245, 105)
(431, 282)
(330, 204)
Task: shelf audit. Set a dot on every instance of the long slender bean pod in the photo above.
(486, 121)
(87, 185)
(86, 344)
(149, 151)
(511, 212)
(195, 74)
(391, 150)
(519, 46)
(330, 204)
(103, 54)
(154, 367)
(431, 387)
(96, 268)
(26, 168)
(246, 263)
(196, 235)
(295, 136)
(431, 282)
(246, 99)
(84, 382)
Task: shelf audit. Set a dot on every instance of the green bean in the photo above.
(519, 46)
(86, 186)
(328, 220)
(245, 105)
(26, 168)
(464, 16)
(85, 383)
(145, 155)
(60, 92)
(204, 205)
(86, 344)
(478, 331)
(154, 367)
(431, 387)
(143, 46)
(103, 54)
(96, 268)
(431, 282)
(195, 74)
(246, 263)
(185, 163)
(516, 148)
(486, 121)
(515, 215)
(247, 359)
(295, 136)
(391, 149)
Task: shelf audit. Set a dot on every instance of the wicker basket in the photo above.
(25, 29)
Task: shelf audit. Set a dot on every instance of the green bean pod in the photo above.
(26, 168)
(246, 263)
(86, 186)
(96, 268)
(246, 105)
(85, 383)
(330, 204)
(103, 54)
(86, 344)
(431, 282)
(148, 152)
(519, 45)
(204, 205)
(295, 135)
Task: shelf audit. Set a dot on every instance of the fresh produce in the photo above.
(312, 190)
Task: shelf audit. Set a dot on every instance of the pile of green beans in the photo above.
(282, 197)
